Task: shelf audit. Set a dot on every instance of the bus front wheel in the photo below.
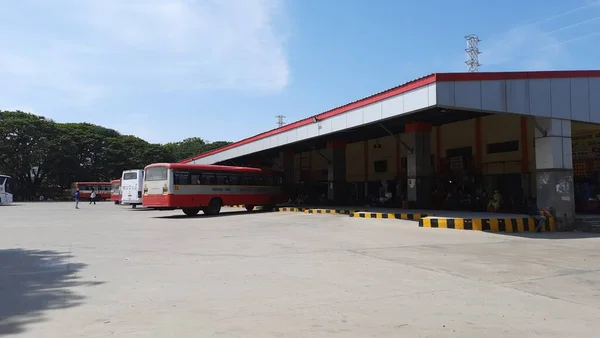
(191, 211)
(214, 207)
(249, 207)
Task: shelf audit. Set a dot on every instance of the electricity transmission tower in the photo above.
(472, 53)
(280, 120)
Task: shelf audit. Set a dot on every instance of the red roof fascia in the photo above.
(412, 85)
(188, 166)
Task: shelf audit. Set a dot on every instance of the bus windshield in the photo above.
(130, 176)
(156, 174)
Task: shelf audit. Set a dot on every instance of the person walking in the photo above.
(76, 195)
(93, 197)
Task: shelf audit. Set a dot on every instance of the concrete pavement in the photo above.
(110, 271)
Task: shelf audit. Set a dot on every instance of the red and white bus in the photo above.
(85, 189)
(115, 191)
(195, 187)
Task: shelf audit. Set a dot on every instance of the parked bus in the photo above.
(6, 196)
(85, 190)
(115, 191)
(132, 182)
(195, 187)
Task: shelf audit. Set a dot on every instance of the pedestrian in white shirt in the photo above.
(93, 197)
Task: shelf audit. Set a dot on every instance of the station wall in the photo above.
(503, 145)
(506, 146)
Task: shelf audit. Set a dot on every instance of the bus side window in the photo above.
(182, 178)
(270, 180)
(208, 179)
(259, 180)
(222, 179)
(246, 180)
(196, 178)
(234, 179)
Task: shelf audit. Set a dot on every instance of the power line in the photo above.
(573, 25)
(580, 37)
(546, 19)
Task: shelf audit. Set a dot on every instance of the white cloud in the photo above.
(76, 52)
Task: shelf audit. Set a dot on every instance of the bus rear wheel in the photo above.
(249, 207)
(214, 207)
(191, 211)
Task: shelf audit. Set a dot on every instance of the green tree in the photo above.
(191, 147)
(28, 149)
(40, 153)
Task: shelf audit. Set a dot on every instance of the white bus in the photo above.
(132, 182)
(6, 196)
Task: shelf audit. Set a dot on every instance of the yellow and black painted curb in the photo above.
(383, 215)
(290, 209)
(330, 211)
(524, 224)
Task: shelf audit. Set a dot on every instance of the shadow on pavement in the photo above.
(34, 281)
(222, 214)
(551, 235)
(140, 209)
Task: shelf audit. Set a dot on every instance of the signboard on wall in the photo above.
(456, 163)
(586, 145)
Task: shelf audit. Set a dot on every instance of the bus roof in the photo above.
(185, 166)
(118, 180)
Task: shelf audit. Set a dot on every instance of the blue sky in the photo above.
(165, 70)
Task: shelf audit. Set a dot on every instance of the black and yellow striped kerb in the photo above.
(236, 206)
(329, 211)
(383, 215)
(525, 224)
(288, 209)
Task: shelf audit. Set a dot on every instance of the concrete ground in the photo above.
(109, 271)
